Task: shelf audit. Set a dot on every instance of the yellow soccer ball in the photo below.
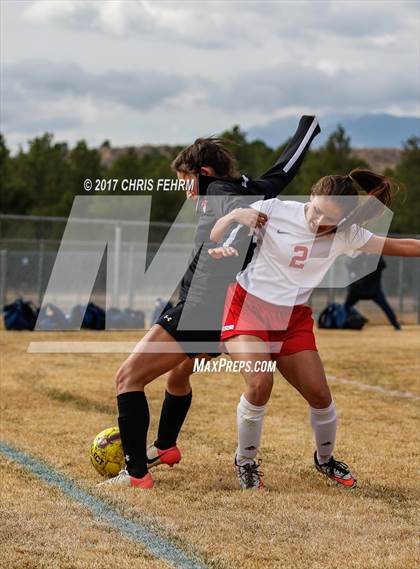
(106, 452)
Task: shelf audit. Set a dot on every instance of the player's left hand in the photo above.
(219, 252)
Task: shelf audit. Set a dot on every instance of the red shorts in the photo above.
(292, 327)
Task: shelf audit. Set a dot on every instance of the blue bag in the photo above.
(20, 315)
(52, 318)
(355, 320)
(334, 316)
(94, 317)
(125, 319)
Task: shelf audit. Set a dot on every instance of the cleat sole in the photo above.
(352, 487)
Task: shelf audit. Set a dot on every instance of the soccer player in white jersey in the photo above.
(267, 306)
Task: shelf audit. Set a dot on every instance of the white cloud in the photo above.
(325, 88)
(110, 67)
(215, 24)
(198, 24)
(46, 80)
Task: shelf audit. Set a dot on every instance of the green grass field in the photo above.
(52, 405)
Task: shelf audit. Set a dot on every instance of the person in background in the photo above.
(369, 288)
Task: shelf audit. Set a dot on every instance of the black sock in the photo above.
(133, 421)
(172, 417)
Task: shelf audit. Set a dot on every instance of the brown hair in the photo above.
(210, 151)
(359, 182)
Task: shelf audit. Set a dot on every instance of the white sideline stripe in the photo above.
(155, 544)
(82, 347)
(301, 146)
(376, 388)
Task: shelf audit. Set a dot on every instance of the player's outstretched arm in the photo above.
(392, 247)
(274, 180)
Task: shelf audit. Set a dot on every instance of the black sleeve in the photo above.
(224, 196)
(381, 264)
(272, 182)
(221, 201)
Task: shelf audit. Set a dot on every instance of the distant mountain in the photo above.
(109, 154)
(372, 130)
(379, 159)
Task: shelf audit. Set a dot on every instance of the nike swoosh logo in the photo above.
(155, 458)
(151, 460)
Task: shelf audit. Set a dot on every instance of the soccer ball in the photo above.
(106, 452)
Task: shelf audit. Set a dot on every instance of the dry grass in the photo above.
(53, 405)
(43, 529)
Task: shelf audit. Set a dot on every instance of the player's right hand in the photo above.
(220, 252)
(250, 217)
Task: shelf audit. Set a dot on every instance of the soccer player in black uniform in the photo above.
(369, 287)
(192, 327)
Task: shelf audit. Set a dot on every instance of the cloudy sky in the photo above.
(147, 71)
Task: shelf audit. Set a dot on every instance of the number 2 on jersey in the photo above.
(298, 260)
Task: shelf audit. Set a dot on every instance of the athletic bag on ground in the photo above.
(334, 316)
(355, 320)
(52, 318)
(20, 315)
(125, 319)
(94, 317)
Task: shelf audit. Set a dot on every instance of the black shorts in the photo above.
(169, 321)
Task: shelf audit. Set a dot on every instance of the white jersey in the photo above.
(288, 262)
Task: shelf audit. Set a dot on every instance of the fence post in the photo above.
(40, 270)
(3, 277)
(418, 288)
(130, 299)
(331, 289)
(117, 265)
(400, 285)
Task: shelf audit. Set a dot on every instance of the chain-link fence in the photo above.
(29, 246)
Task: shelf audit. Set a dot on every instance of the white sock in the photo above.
(249, 420)
(324, 425)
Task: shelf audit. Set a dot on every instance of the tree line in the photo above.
(45, 178)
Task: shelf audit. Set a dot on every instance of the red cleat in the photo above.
(337, 471)
(168, 456)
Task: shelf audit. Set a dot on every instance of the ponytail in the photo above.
(355, 185)
(381, 188)
(377, 185)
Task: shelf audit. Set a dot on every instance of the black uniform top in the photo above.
(207, 275)
(206, 279)
(368, 286)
